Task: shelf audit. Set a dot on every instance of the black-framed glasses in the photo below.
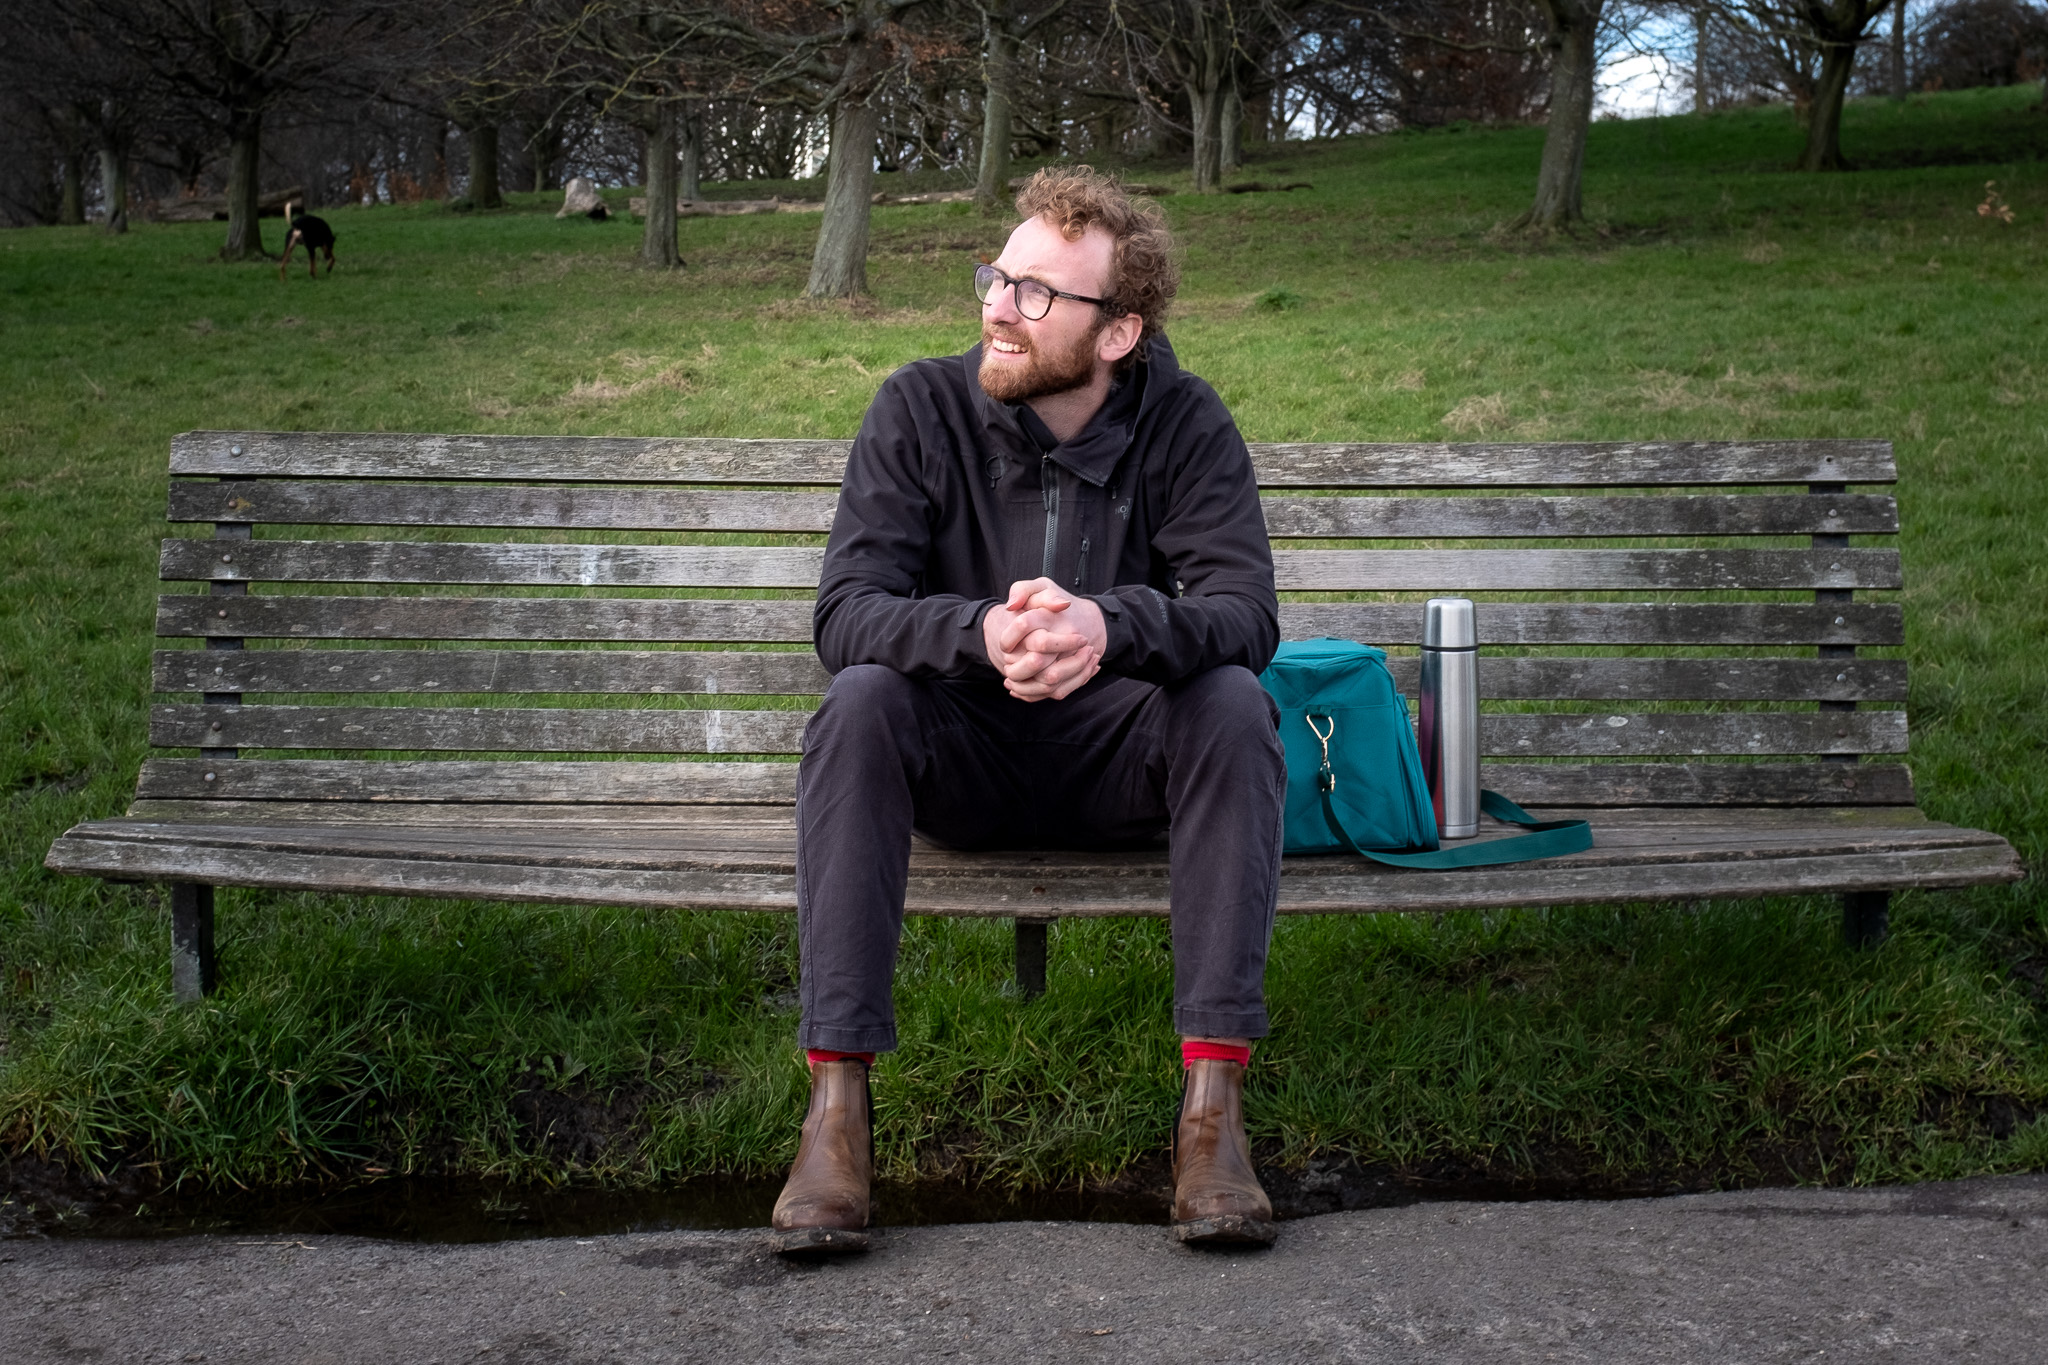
(1034, 297)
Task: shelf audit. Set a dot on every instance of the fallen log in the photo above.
(729, 208)
(213, 208)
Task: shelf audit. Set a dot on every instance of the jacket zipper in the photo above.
(1081, 569)
(1049, 478)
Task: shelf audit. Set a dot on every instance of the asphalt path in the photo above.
(1954, 1272)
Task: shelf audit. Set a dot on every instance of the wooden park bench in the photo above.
(508, 712)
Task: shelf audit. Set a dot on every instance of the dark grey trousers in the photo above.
(966, 764)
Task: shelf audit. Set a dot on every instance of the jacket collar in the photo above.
(1095, 451)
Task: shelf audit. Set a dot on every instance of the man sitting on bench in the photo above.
(1045, 602)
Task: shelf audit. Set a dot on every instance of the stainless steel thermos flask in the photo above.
(1449, 732)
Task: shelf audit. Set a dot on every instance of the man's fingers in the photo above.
(1023, 591)
(1057, 679)
(1018, 633)
(1054, 641)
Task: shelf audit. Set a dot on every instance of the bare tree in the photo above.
(1193, 44)
(234, 60)
(1574, 47)
(1005, 29)
(1813, 43)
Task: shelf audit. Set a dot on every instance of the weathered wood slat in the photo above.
(1461, 571)
(749, 820)
(549, 565)
(378, 783)
(630, 508)
(602, 730)
(631, 672)
(617, 619)
(764, 839)
(479, 729)
(1612, 623)
(1478, 517)
(616, 459)
(1308, 886)
(267, 502)
(1684, 734)
(724, 566)
(574, 459)
(656, 620)
(756, 673)
(1613, 464)
(470, 782)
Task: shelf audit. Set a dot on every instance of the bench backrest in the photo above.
(494, 618)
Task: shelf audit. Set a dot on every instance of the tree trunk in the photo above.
(658, 240)
(839, 266)
(71, 199)
(1702, 72)
(1898, 46)
(114, 188)
(245, 145)
(999, 65)
(1574, 49)
(1823, 151)
(546, 145)
(484, 192)
(1205, 118)
(1104, 138)
(690, 175)
(1230, 142)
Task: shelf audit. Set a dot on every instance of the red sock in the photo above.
(1192, 1051)
(818, 1054)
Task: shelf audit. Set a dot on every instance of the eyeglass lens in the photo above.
(1033, 298)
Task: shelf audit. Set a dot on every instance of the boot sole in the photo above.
(1230, 1229)
(817, 1244)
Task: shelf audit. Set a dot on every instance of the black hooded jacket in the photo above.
(1152, 510)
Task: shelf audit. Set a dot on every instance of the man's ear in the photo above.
(1115, 341)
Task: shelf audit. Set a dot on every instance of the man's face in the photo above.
(1022, 358)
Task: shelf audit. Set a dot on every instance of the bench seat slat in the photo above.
(719, 566)
(716, 460)
(688, 868)
(376, 784)
(632, 672)
(559, 507)
(640, 731)
(660, 620)
(448, 671)
(554, 506)
(1477, 517)
(623, 620)
(762, 838)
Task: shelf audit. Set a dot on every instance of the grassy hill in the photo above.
(1712, 294)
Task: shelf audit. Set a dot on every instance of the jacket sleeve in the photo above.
(870, 604)
(1213, 540)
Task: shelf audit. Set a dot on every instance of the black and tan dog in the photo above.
(314, 232)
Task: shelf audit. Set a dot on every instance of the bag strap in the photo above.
(1546, 838)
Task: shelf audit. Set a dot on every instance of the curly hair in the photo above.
(1143, 273)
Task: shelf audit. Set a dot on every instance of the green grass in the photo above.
(1713, 295)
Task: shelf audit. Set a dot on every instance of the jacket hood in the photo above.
(1094, 453)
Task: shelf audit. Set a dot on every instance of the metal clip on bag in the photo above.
(1354, 778)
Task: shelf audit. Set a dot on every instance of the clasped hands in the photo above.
(1045, 641)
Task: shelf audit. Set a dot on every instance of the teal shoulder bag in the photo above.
(1354, 778)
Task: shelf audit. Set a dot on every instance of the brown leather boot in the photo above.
(824, 1205)
(1217, 1199)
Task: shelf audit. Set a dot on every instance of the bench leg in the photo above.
(1031, 957)
(192, 963)
(1865, 918)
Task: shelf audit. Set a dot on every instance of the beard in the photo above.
(1044, 373)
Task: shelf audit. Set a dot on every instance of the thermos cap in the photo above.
(1447, 624)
